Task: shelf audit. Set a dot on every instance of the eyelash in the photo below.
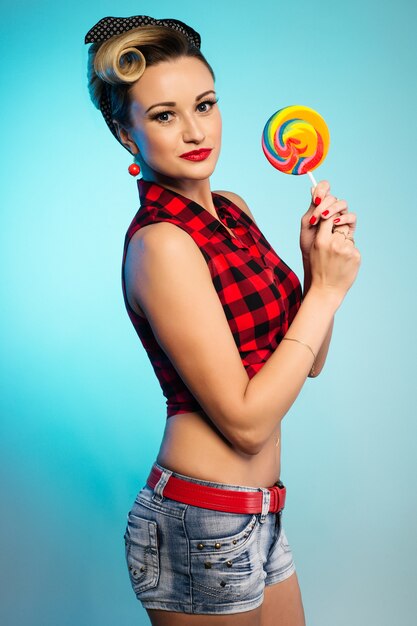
(156, 116)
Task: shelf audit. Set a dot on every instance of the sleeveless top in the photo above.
(259, 293)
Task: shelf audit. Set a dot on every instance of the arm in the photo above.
(332, 208)
(172, 284)
(324, 348)
(322, 353)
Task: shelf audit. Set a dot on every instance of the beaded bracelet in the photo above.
(304, 344)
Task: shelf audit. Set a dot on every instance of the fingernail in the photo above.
(317, 201)
(325, 213)
(313, 219)
(336, 220)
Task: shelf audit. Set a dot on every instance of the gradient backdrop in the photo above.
(82, 413)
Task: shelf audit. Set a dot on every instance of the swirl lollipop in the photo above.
(296, 140)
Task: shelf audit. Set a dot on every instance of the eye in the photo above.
(208, 104)
(159, 117)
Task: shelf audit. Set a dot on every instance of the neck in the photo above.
(196, 190)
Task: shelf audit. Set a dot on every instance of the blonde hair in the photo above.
(117, 63)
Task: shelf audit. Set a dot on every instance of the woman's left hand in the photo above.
(332, 208)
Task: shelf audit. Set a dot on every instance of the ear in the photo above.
(125, 138)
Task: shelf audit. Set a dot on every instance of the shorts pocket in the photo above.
(284, 541)
(142, 552)
(224, 555)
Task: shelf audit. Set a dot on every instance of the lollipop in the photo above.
(296, 140)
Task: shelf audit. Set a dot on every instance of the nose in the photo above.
(192, 130)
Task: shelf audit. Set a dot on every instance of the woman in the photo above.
(230, 335)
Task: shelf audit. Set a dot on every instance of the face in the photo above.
(189, 120)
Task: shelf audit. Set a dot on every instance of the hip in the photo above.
(190, 559)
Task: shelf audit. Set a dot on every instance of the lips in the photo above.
(197, 155)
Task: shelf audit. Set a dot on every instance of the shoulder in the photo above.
(155, 250)
(234, 197)
(161, 242)
(163, 235)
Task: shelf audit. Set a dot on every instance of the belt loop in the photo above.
(158, 490)
(266, 499)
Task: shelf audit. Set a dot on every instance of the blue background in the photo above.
(82, 414)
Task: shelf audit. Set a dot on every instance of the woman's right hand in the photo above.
(334, 260)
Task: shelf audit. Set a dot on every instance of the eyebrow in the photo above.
(173, 104)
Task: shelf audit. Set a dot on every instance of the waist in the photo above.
(217, 496)
(193, 446)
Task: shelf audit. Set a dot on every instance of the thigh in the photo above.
(282, 605)
(169, 618)
(279, 562)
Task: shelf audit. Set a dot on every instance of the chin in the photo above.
(201, 172)
(202, 175)
(187, 169)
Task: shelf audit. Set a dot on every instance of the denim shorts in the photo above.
(191, 559)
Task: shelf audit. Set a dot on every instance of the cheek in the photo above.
(163, 138)
(153, 144)
(217, 138)
(217, 125)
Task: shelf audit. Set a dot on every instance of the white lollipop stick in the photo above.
(313, 180)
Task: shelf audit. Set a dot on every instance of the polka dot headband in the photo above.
(109, 26)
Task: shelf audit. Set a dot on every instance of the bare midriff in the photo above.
(193, 446)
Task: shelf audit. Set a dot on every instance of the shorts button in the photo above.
(222, 583)
(217, 545)
(200, 546)
(234, 541)
(207, 564)
(142, 569)
(229, 563)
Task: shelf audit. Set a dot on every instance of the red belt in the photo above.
(218, 499)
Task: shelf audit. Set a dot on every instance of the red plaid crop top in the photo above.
(259, 293)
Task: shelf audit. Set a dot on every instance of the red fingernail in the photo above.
(336, 220)
(325, 213)
(313, 219)
(317, 201)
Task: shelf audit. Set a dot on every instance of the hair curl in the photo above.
(122, 59)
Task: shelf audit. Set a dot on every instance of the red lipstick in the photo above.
(197, 155)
